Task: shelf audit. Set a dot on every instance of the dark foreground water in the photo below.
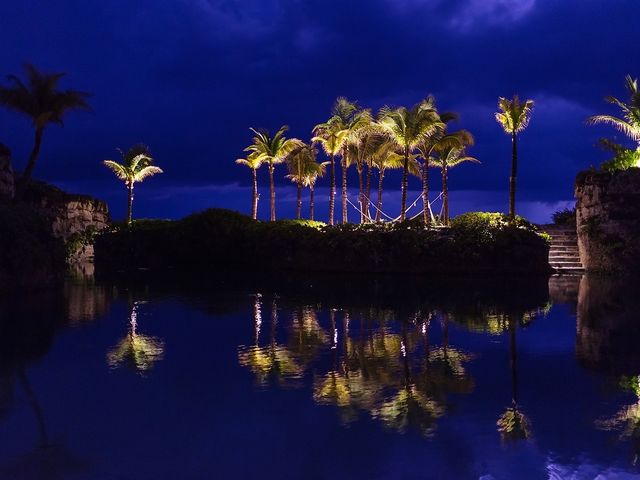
(333, 378)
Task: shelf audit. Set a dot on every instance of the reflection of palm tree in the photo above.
(138, 351)
(273, 361)
(307, 334)
(627, 420)
(409, 406)
(513, 424)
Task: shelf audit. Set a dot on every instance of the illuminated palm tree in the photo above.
(513, 116)
(629, 124)
(40, 99)
(331, 136)
(361, 150)
(135, 167)
(254, 162)
(301, 161)
(448, 153)
(271, 150)
(439, 138)
(314, 171)
(385, 157)
(408, 128)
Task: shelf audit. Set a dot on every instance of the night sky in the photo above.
(189, 77)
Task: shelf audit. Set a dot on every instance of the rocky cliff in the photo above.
(73, 218)
(608, 220)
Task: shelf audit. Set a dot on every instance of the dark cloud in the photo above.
(189, 77)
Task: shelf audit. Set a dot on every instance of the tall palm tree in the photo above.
(629, 124)
(407, 128)
(314, 171)
(384, 157)
(345, 124)
(272, 150)
(448, 153)
(360, 151)
(40, 99)
(135, 167)
(513, 116)
(331, 136)
(254, 162)
(299, 163)
(425, 150)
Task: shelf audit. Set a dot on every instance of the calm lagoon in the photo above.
(331, 378)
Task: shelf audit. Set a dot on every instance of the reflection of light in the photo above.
(257, 316)
(140, 351)
(335, 338)
(403, 349)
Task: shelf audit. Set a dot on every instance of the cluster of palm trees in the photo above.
(412, 139)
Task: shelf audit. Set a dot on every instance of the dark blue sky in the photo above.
(189, 77)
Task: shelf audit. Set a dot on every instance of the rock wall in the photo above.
(608, 220)
(71, 217)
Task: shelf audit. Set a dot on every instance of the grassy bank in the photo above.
(224, 240)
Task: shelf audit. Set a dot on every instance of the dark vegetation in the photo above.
(565, 218)
(217, 240)
(29, 255)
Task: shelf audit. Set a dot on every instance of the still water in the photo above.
(332, 378)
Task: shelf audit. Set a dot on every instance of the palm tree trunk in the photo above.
(28, 171)
(311, 204)
(425, 193)
(379, 199)
(367, 210)
(332, 192)
(445, 193)
(299, 201)
(404, 185)
(272, 187)
(254, 203)
(345, 217)
(512, 180)
(129, 203)
(361, 194)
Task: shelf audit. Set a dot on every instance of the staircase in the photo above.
(563, 254)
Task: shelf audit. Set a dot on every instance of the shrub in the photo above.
(566, 217)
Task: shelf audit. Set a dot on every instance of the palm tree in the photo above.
(254, 162)
(135, 167)
(331, 136)
(314, 171)
(514, 117)
(425, 150)
(407, 128)
(40, 99)
(272, 150)
(449, 152)
(299, 162)
(360, 150)
(629, 124)
(384, 157)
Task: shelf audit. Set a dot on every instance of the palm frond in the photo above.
(146, 172)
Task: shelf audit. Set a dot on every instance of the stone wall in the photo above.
(69, 216)
(608, 220)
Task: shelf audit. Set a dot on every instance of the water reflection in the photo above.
(136, 351)
(27, 331)
(274, 362)
(608, 334)
(396, 367)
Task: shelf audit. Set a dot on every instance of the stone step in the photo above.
(564, 243)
